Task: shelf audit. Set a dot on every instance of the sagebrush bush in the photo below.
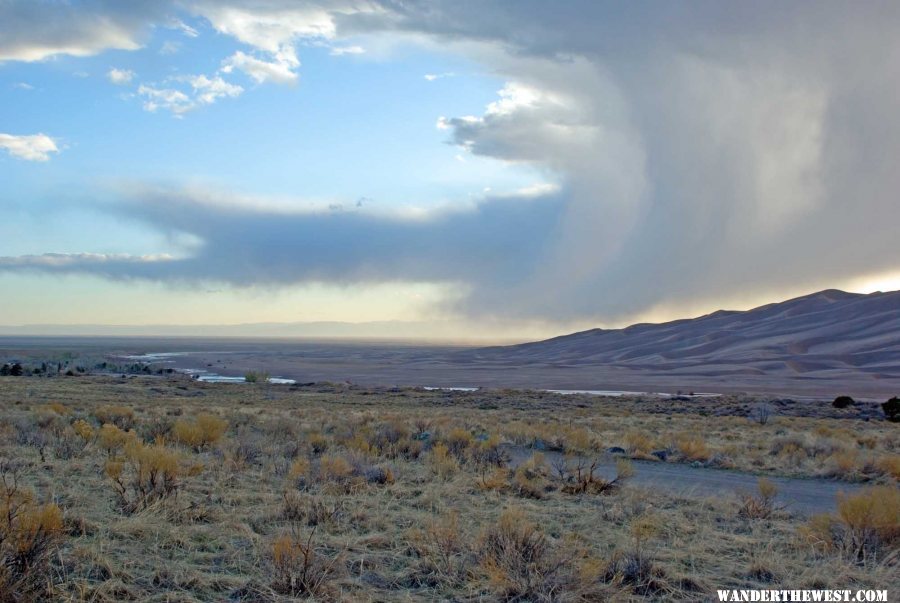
(144, 474)
(58, 408)
(84, 430)
(111, 438)
(442, 549)
(120, 416)
(203, 430)
(457, 441)
(692, 448)
(443, 463)
(522, 564)
(638, 443)
(889, 466)
(29, 533)
(762, 504)
(866, 526)
(311, 509)
(301, 570)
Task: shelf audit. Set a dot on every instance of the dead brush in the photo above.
(458, 441)
(635, 567)
(444, 557)
(488, 453)
(760, 505)
(529, 479)
(312, 510)
(67, 444)
(865, 529)
(302, 570)
(120, 416)
(29, 533)
(579, 475)
(337, 474)
(522, 564)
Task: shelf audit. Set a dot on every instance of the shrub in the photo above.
(247, 447)
(891, 409)
(529, 477)
(761, 505)
(523, 564)
(301, 570)
(84, 430)
(843, 463)
(59, 409)
(28, 534)
(313, 510)
(318, 443)
(761, 413)
(300, 472)
(256, 377)
(578, 440)
(199, 433)
(442, 550)
(120, 416)
(67, 444)
(458, 441)
(843, 402)
(866, 524)
(693, 448)
(580, 476)
(871, 519)
(443, 464)
(889, 465)
(146, 474)
(111, 438)
(638, 443)
(156, 429)
(487, 453)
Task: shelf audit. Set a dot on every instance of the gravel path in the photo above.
(800, 496)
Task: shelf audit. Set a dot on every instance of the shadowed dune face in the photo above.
(830, 337)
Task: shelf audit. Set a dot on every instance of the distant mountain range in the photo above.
(815, 346)
(827, 336)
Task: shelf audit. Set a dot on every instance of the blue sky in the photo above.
(496, 168)
(354, 129)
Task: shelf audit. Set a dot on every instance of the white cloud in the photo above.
(35, 147)
(272, 26)
(23, 86)
(120, 77)
(342, 50)
(183, 28)
(208, 90)
(279, 71)
(204, 90)
(170, 99)
(431, 77)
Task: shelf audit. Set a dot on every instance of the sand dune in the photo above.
(830, 336)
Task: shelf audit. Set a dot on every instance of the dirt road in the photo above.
(800, 496)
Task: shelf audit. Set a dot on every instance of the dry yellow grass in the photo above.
(347, 494)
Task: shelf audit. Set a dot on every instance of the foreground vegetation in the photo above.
(160, 488)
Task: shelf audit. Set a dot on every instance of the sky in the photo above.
(486, 169)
